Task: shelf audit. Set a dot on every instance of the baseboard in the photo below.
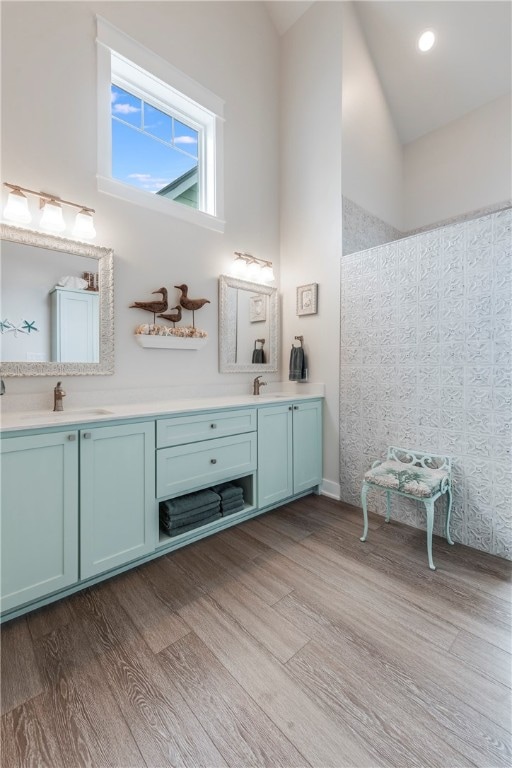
(331, 489)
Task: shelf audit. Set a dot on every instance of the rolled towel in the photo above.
(191, 526)
(297, 364)
(191, 501)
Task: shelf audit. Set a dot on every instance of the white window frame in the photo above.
(126, 63)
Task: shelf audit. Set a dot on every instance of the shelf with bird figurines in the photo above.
(165, 337)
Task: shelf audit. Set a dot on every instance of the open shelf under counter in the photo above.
(165, 540)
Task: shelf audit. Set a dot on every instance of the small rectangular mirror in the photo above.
(49, 329)
(248, 327)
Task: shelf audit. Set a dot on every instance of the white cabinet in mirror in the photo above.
(57, 313)
(248, 326)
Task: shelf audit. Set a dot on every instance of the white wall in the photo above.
(372, 153)
(311, 201)
(464, 166)
(49, 143)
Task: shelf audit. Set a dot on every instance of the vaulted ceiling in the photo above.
(469, 66)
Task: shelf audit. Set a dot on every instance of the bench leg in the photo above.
(448, 514)
(388, 506)
(430, 527)
(364, 493)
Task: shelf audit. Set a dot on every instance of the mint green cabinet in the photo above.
(289, 450)
(39, 504)
(118, 513)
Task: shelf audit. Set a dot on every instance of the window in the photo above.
(159, 133)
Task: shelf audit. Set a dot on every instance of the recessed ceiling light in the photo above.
(426, 40)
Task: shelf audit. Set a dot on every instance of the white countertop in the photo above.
(18, 420)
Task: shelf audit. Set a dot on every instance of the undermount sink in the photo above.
(70, 412)
(273, 395)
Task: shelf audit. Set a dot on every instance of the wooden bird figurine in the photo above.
(191, 304)
(173, 318)
(153, 306)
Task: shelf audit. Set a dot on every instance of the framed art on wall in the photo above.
(307, 296)
(257, 309)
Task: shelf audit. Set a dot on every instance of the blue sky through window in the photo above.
(150, 149)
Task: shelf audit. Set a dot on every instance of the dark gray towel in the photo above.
(191, 526)
(191, 501)
(297, 364)
(232, 510)
(227, 491)
(227, 505)
(171, 524)
(206, 509)
(258, 356)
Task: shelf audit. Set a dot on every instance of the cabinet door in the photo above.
(307, 445)
(275, 481)
(39, 516)
(118, 516)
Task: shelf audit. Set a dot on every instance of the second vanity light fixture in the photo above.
(252, 268)
(52, 220)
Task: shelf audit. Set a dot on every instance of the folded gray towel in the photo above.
(204, 510)
(191, 526)
(171, 524)
(228, 491)
(232, 510)
(191, 501)
(297, 364)
(231, 504)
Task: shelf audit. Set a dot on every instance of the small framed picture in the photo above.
(257, 308)
(307, 296)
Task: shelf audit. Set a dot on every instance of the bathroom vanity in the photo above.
(81, 490)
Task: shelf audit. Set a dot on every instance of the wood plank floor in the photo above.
(283, 642)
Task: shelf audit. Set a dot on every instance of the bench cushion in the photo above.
(410, 479)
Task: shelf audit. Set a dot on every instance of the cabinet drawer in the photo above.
(206, 426)
(189, 467)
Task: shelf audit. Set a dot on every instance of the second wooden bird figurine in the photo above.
(173, 318)
(153, 306)
(191, 304)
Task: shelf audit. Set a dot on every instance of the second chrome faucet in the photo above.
(257, 384)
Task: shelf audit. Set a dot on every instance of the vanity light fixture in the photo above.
(52, 219)
(252, 268)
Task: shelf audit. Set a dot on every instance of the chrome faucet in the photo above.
(257, 384)
(58, 394)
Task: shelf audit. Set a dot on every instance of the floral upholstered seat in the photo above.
(415, 475)
(413, 480)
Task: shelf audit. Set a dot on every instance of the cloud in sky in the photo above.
(185, 140)
(125, 109)
(149, 182)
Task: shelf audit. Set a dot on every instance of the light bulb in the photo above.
(267, 273)
(254, 271)
(52, 218)
(17, 207)
(84, 225)
(426, 40)
(239, 267)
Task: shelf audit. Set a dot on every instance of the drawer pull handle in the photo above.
(213, 461)
(213, 426)
(289, 407)
(295, 407)
(87, 435)
(71, 437)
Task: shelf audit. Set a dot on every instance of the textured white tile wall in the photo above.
(426, 342)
